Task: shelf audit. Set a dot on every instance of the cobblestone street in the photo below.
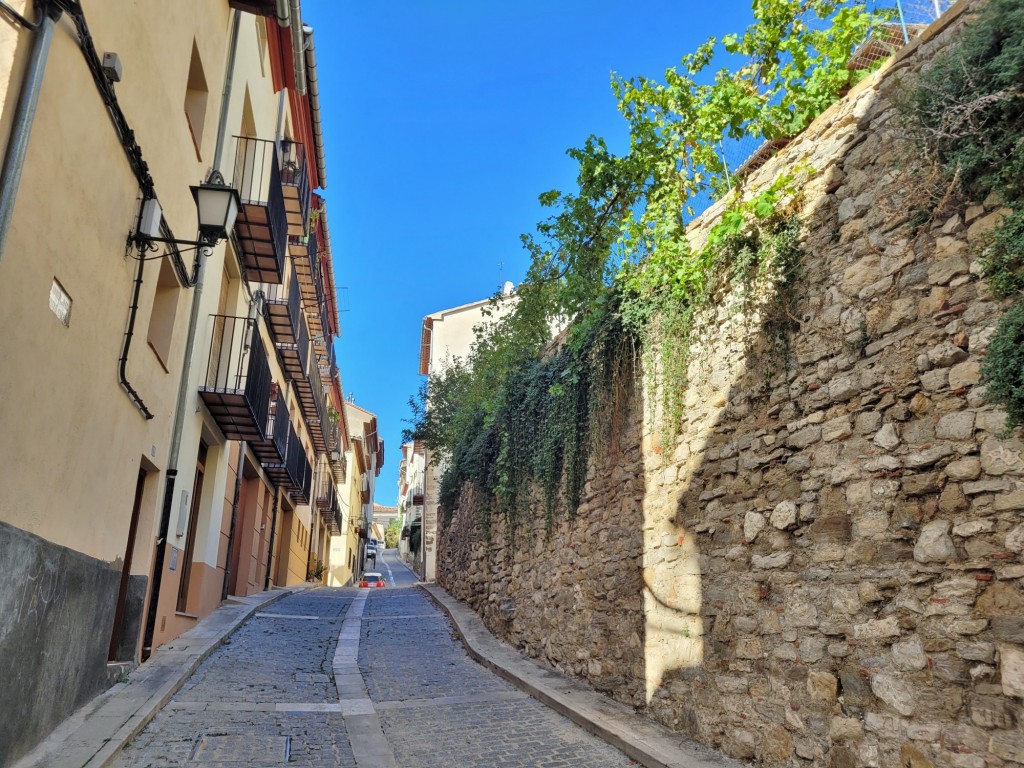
(365, 678)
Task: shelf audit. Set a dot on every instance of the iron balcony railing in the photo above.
(318, 394)
(262, 223)
(278, 424)
(299, 472)
(236, 387)
(325, 491)
(295, 184)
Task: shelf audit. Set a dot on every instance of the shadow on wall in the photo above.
(735, 473)
(826, 565)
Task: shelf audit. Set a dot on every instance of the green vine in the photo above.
(517, 420)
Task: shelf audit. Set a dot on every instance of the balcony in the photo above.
(282, 308)
(273, 448)
(296, 185)
(261, 228)
(300, 474)
(306, 252)
(327, 502)
(237, 384)
(310, 392)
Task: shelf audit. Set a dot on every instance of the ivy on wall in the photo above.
(519, 418)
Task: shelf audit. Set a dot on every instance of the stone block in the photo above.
(944, 270)
(955, 426)
(886, 437)
(1008, 629)
(753, 524)
(877, 629)
(912, 757)
(1006, 502)
(965, 374)
(945, 354)
(992, 712)
(909, 655)
(934, 544)
(894, 692)
(843, 729)
(1001, 599)
(1000, 457)
(967, 468)
(774, 560)
(822, 686)
(919, 485)
(784, 515)
(804, 437)
(1009, 746)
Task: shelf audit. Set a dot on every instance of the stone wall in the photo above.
(56, 618)
(827, 566)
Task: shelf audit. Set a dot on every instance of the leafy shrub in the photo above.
(1003, 367)
(968, 107)
(1002, 261)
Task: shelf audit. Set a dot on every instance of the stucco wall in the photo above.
(827, 566)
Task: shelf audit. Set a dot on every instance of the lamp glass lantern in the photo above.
(217, 205)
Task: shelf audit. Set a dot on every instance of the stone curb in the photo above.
(638, 737)
(97, 733)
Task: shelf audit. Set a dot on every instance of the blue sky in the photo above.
(443, 121)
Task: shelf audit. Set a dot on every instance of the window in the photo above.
(196, 96)
(165, 309)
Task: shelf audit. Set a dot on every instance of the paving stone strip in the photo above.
(369, 744)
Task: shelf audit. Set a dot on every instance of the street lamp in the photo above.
(216, 206)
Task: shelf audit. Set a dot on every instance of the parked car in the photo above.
(371, 579)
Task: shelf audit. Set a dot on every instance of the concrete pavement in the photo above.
(360, 678)
(96, 733)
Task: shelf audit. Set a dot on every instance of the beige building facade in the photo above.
(445, 336)
(167, 409)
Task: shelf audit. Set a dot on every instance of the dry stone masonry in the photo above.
(827, 566)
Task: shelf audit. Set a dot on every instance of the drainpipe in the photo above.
(186, 369)
(28, 100)
(298, 63)
(122, 363)
(314, 108)
(283, 18)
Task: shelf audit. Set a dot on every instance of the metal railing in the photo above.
(277, 422)
(318, 395)
(257, 177)
(302, 341)
(295, 173)
(297, 464)
(237, 361)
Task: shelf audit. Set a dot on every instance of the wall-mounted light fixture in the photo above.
(216, 205)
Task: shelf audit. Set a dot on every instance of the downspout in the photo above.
(283, 19)
(314, 109)
(122, 363)
(24, 116)
(183, 382)
(298, 63)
